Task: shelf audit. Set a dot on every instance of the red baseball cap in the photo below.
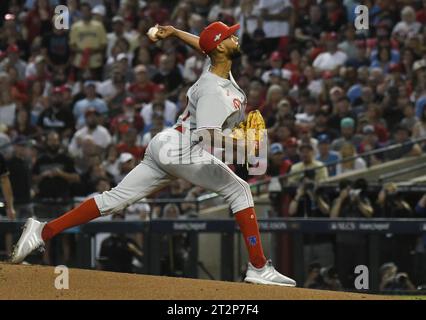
(129, 101)
(275, 56)
(58, 89)
(214, 34)
(331, 36)
(290, 142)
(13, 48)
(160, 88)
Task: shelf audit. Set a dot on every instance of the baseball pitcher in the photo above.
(215, 111)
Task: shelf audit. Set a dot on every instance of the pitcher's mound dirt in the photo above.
(37, 282)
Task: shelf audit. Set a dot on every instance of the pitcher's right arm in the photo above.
(170, 31)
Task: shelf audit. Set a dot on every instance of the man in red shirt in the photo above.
(143, 88)
(421, 14)
(279, 164)
(129, 144)
(129, 117)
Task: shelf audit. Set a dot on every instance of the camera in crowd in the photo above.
(355, 189)
(308, 181)
(325, 278)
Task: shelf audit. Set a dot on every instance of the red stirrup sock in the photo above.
(247, 221)
(86, 211)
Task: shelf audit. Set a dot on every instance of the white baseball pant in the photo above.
(170, 155)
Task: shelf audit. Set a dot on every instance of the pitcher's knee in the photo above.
(112, 201)
(239, 196)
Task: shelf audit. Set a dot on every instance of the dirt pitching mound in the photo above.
(38, 282)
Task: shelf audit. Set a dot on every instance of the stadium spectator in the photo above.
(348, 151)
(160, 105)
(352, 201)
(118, 251)
(53, 175)
(392, 280)
(8, 195)
(327, 156)
(131, 144)
(117, 33)
(89, 101)
(307, 162)
(278, 164)
(398, 248)
(142, 88)
(158, 125)
(93, 130)
(7, 105)
(13, 59)
(20, 174)
(168, 74)
(23, 126)
(308, 202)
(370, 142)
(274, 95)
(88, 41)
(321, 126)
(57, 116)
(408, 26)
(193, 67)
(291, 150)
(402, 135)
(360, 59)
(331, 59)
(6, 188)
(419, 128)
(129, 117)
(126, 162)
(410, 120)
(341, 110)
(276, 16)
(348, 135)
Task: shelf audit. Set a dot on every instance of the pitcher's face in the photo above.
(232, 46)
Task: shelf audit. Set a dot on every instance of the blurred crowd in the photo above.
(78, 106)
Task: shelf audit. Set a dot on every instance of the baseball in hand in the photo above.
(152, 33)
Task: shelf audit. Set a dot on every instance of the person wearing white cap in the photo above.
(126, 162)
(93, 130)
(31, 69)
(117, 33)
(99, 12)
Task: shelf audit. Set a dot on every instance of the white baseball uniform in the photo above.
(213, 103)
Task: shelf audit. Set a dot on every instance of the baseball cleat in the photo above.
(267, 275)
(29, 241)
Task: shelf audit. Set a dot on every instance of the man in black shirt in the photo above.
(57, 117)
(351, 248)
(53, 174)
(6, 188)
(402, 135)
(169, 75)
(56, 46)
(117, 252)
(20, 177)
